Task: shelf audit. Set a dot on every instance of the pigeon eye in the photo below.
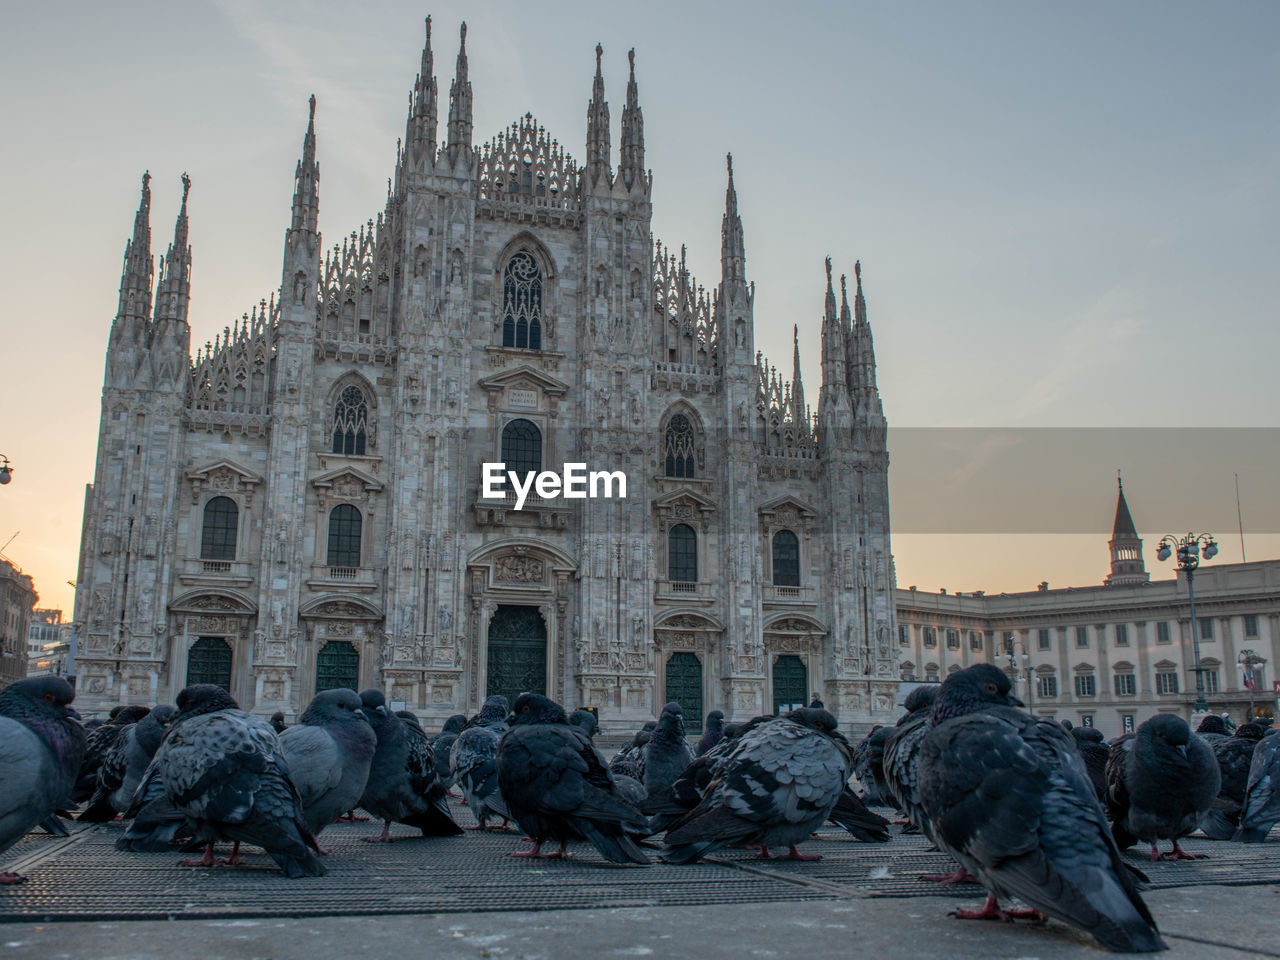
(524, 709)
(991, 688)
(48, 698)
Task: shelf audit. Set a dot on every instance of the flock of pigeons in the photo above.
(1022, 804)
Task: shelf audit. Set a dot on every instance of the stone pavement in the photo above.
(464, 897)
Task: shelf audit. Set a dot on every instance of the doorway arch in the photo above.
(517, 652)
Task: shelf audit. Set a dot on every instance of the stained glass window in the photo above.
(522, 303)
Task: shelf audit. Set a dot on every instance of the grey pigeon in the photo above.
(713, 733)
(868, 767)
(41, 748)
(586, 721)
(99, 745)
(1161, 782)
(1235, 756)
(630, 754)
(631, 789)
(667, 753)
(473, 761)
(124, 766)
(1007, 795)
(902, 756)
(329, 751)
(1261, 808)
(1095, 753)
(686, 790)
(1212, 728)
(777, 785)
(224, 770)
(403, 785)
(557, 787)
(442, 746)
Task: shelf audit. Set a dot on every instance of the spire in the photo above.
(135, 280)
(460, 106)
(306, 191)
(1127, 566)
(1123, 527)
(846, 332)
(174, 290)
(631, 160)
(797, 385)
(599, 160)
(733, 257)
(834, 355)
(421, 132)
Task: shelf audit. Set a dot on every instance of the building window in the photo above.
(1122, 634)
(679, 447)
(930, 637)
(344, 536)
(1206, 628)
(1126, 723)
(682, 554)
(1211, 683)
(522, 303)
(953, 639)
(1167, 682)
(350, 422)
(975, 640)
(1042, 638)
(1250, 626)
(904, 636)
(1162, 632)
(522, 448)
(1047, 686)
(1086, 685)
(218, 537)
(931, 673)
(1126, 685)
(1082, 636)
(786, 559)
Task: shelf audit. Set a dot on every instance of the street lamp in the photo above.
(1188, 552)
(6, 471)
(1026, 667)
(1248, 660)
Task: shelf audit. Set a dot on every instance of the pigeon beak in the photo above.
(1014, 701)
(382, 710)
(1182, 749)
(71, 712)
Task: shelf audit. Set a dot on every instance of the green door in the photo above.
(684, 685)
(338, 665)
(209, 661)
(517, 652)
(790, 683)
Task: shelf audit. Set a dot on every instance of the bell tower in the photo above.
(1126, 547)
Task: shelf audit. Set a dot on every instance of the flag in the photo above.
(1248, 680)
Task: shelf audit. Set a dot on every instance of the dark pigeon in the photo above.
(630, 754)
(98, 746)
(1161, 782)
(714, 732)
(902, 756)
(442, 745)
(868, 767)
(1261, 808)
(777, 785)
(631, 789)
(42, 746)
(557, 787)
(586, 721)
(329, 752)
(403, 785)
(277, 722)
(225, 772)
(667, 753)
(1235, 757)
(1212, 728)
(473, 761)
(1007, 795)
(852, 815)
(125, 765)
(686, 791)
(1095, 752)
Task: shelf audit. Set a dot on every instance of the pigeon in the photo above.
(557, 786)
(1212, 728)
(1095, 753)
(473, 761)
(686, 790)
(586, 721)
(442, 745)
(852, 815)
(869, 767)
(42, 746)
(1261, 808)
(1234, 755)
(99, 744)
(1161, 782)
(632, 790)
(776, 786)
(403, 785)
(124, 766)
(714, 732)
(630, 754)
(1007, 795)
(225, 771)
(277, 722)
(667, 753)
(329, 751)
(902, 754)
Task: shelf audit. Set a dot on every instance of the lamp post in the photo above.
(1187, 549)
(1248, 660)
(6, 471)
(1026, 669)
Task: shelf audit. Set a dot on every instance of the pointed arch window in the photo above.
(682, 554)
(350, 422)
(786, 559)
(522, 302)
(522, 447)
(679, 447)
(345, 527)
(218, 535)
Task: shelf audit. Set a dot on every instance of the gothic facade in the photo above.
(301, 505)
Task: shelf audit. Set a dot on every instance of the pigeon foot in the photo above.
(383, 837)
(795, 854)
(208, 860)
(533, 853)
(1177, 853)
(350, 817)
(9, 879)
(958, 875)
(764, 854)
(991, 911)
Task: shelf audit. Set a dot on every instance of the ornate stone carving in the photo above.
(515, 569)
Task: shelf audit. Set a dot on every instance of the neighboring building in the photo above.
(1110, 655)
(302, 507)
(48, 645)
(17, 600)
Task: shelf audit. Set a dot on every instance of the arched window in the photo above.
(679, 448)
(522, 447)
(682, 554)
(786, 559)
(522, 303)
(350, 422)
(344, 536)
(218, 538)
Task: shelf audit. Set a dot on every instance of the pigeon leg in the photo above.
(764, 854)
(383, 837)
(533, 853)
(990, 911)
(1155, 853)
(8, 879)
(958, 875)
(235, 860)
(1177, 853)
(562, 853)
(350, 817)
(207, 860)
(795, 854)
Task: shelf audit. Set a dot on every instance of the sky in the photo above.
(1066, 213)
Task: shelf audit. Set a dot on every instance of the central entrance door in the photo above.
(790, 683)
(338, 665)
(684, 685)
(209, 661)
(517, 652)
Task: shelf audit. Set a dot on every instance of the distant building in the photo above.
(17, 600)
(1112, 655)
(48, 645)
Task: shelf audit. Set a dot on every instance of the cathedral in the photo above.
(301, 504)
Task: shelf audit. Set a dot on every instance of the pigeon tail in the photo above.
(434, 821)
(1218, 825)
(684, 853)
(616, 847)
